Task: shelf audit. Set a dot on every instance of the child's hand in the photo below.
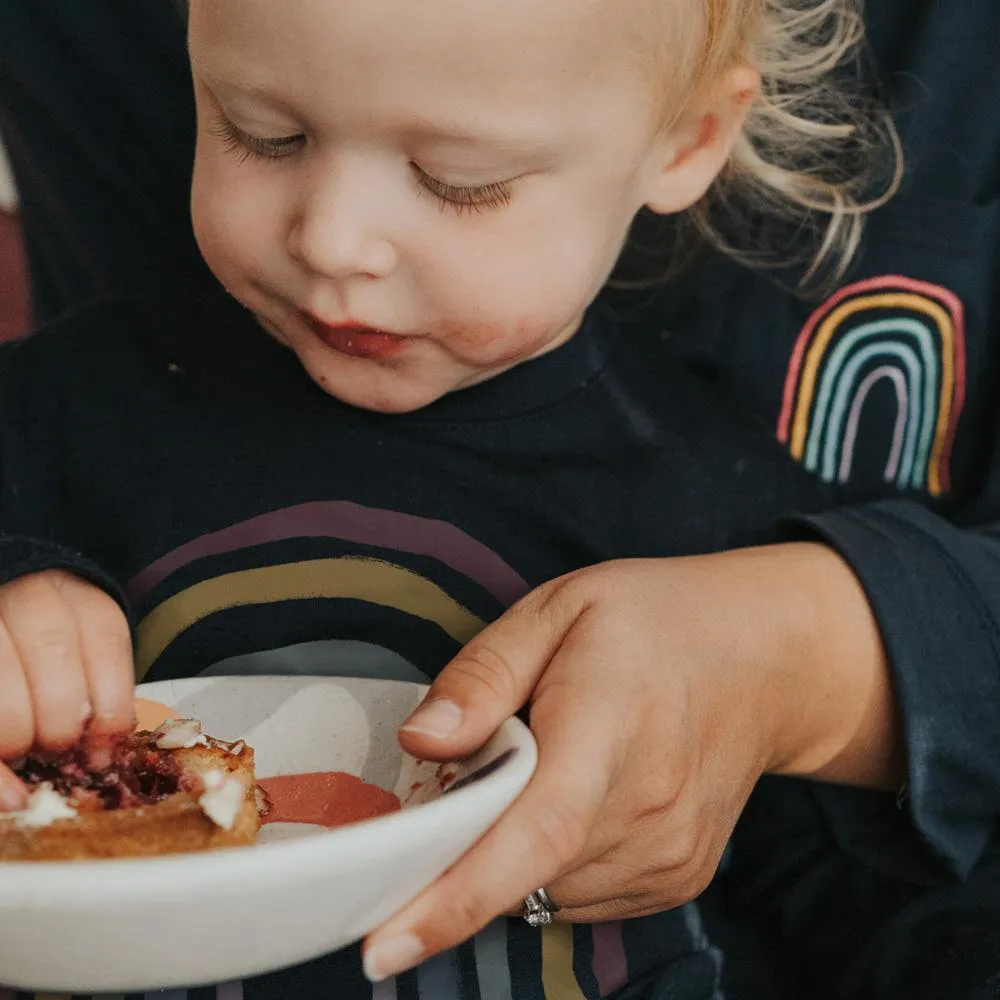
(660, 691)
(65, 665)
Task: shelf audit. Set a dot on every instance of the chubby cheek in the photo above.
(235, 232)
(507, 314)
(499, 342)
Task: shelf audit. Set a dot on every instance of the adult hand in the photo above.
(659, 692)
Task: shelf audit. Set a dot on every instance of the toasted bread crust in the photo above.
(177, 824)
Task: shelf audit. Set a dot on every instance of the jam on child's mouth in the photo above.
(357, 341)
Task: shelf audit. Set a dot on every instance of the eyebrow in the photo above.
(244, 86)
(532, 140)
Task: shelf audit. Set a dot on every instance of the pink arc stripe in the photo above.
(891, 283)
(354, 523)
(610, 961)
(854, 420)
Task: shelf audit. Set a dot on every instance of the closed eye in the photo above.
(478, 198)
(253, 147)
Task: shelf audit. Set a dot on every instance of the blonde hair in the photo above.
(816, 153)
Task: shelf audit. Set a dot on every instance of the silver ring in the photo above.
(539, 908)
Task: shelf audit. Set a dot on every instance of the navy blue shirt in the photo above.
(174, 453)
(883, 392)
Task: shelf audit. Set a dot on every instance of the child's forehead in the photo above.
(533, 37)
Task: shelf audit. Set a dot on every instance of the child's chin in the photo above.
(395, 399)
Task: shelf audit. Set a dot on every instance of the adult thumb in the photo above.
(492, 678)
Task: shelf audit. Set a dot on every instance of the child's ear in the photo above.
(692, 153)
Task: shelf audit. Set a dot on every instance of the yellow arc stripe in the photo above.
(349, 577)
(558, 978)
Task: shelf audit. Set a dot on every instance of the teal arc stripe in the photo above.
(834, 371)
(440, 978)
(492, 963)
(385, 990)
(920, 421)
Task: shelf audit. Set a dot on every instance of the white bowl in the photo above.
(133, 925)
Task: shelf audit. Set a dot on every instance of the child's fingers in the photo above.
(44, 631)
(13, 795)
(106, 648)
(17, 722)
(17, 715)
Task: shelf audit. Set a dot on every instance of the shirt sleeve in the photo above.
(35, 532)
(22, 556)
(934, 587)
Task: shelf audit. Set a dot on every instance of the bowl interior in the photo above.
(303, 725)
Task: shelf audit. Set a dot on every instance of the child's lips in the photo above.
(356, 340)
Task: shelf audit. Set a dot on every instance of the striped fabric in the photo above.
(583, 963)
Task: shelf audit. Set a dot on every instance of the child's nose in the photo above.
(337, 232)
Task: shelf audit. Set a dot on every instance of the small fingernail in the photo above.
(439, 718)
(392, 957)
(99, 757)
(11, 800)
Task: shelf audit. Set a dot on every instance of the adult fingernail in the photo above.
(392, 957)
(439, 718)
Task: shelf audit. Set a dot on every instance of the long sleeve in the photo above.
(935, 590)
(35, 531)
(869, 897)
(20, 556)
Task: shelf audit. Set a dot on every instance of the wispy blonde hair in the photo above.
(817, 153)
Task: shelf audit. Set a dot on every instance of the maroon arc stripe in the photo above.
(352, 523)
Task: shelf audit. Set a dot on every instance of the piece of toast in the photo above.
(169, 791)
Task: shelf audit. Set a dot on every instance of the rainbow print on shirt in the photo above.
(910, 334)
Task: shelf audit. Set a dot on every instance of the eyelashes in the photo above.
(461, 199)
(482, 198)
(252, 147)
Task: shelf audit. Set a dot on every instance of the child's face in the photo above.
(460, 174)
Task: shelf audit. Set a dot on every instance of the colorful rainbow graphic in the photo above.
(909, 333)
